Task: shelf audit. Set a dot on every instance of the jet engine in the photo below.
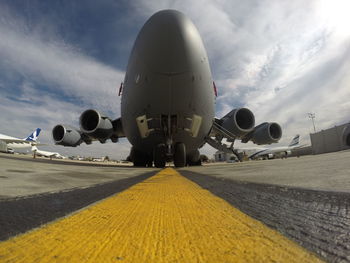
(3, 146)
(66, 135)
(270, 156)
(288, 153)
(96, 125)
(238, 122)
(266, 133)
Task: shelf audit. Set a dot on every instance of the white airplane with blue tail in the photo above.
(9, 143)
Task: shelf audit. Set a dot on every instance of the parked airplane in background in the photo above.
(283, 151)
(37, 152)
(8, 143)
(168, 101)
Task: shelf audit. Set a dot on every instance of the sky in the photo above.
(280, 59)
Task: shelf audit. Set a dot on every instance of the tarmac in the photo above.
(291, 210)
(329, 172)
(21, 175)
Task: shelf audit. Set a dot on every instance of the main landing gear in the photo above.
(179, 155)
(160, 157)
(140, 159)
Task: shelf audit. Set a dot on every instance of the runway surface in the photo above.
(251, 212)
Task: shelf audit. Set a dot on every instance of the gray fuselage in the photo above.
(168, 94)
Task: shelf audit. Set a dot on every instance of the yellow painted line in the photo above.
(166, 218)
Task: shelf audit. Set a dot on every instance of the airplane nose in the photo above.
(169, 43)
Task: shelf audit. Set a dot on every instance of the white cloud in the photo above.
(61, 67)
(54, 73)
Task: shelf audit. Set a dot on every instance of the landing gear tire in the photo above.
(180, 155)
(138, 158)
(193, 158)
(159, 156)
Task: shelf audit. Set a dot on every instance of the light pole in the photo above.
(312, 117)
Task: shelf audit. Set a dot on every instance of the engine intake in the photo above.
(238, 121)
(96, 125)
(266, 133)
(66, 135)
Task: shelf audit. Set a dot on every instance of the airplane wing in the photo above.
(23, 142)
(32, 138)
(14, 140)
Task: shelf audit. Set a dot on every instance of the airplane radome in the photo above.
(167, 103)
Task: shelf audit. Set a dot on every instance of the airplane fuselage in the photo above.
(168, 94)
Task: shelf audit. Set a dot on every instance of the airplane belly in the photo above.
(162, 97)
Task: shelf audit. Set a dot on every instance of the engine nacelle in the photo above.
(95, 125)
(238, 122)
(266, 133)
(3, 146)
(288, 153)
(285, 154)
(270, 156)
(346, 135)
(66, 136)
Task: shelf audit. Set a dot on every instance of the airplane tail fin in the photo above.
(33, 136)
(295, 141)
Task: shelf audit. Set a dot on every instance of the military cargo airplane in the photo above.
(167, 103)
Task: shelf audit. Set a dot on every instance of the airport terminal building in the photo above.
(223, 157)
(333, 139)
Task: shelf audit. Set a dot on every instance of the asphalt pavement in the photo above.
(305, 199)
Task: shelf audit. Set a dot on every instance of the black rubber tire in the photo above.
(193, 158)
(159, 156)
(138, 158)
(180, 155)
